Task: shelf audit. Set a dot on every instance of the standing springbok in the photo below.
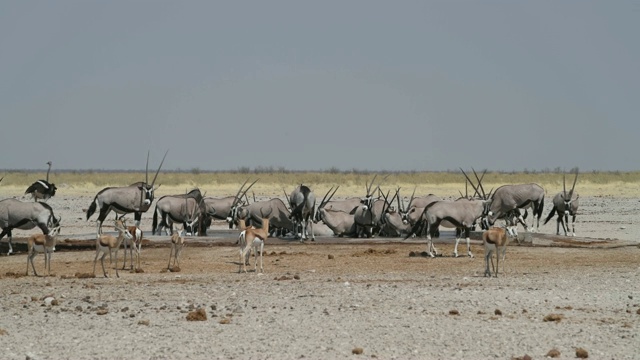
(302, 202)
(495, 239)
(177, 244)
(110, 244)
(15, 214)
(134, 244)
(41, 243)
(253, 238)
(42, 189)
(135, 198)
(565, 204)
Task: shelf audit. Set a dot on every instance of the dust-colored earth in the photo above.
(329, 299)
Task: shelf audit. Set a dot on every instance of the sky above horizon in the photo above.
(368, 85)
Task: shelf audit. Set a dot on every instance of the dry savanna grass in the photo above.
(625, 184)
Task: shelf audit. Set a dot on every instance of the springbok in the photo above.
(15, 214)
(135, 198)
(110, 244)
(253, 238)
(177, 244)
(41, 243)
(565, 204)
(495, 239)
(42, 189)
(134, 244)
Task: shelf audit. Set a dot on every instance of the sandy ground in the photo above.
(327, 301)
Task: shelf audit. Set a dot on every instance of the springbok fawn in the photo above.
(108, 243)
(177, 243)
(40, 243)
(254, 238)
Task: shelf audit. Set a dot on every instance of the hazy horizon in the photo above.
(369, 85)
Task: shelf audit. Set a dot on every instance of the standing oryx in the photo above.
(15, 214)
(219, 208)
(302, 202)
(510, 197)
(461, 214)
(369, 217)
(340, 222)
(42, 189)
(135, 198)
(184, 209)
(565, 204)
(279, 214)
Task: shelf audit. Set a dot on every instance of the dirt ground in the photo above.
(340, 300)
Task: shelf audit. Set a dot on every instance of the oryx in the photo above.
(510, 197)
(369, 217)
(279, 214)
(394, 225)
(461, 214)
(42, 189)
(135, 198)
(184, 209)
(15, 214)
(565, 204)
(340, 222)
(236, 202)
(302, 203)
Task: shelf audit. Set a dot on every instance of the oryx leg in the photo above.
(561, 221)
(467, 233)
(7, 232)
(573, 225)
(431, 249)
(458, 235)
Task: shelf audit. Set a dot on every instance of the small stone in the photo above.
(582, 353)
(330, 257)
(102, 311)
(553, 353)
(454, 312)
(357, 351)
(144, 322)
(199, 315)
(498, 312)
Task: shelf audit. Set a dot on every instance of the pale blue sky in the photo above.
(377, 85)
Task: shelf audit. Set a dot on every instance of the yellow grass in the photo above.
(446, 184)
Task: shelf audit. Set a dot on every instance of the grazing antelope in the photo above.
(15, 214)
(302, 202)
(177, 244)
(253, 238)
(41, 243)
(184, 209)
(135, 198)
(134, 244)
(42, 189)
(565, 204)
(108, 243)
(494, 239)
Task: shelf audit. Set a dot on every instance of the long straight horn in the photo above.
(412, 197)
(370, 185)
(238, 196)
(325, 198)
(159, 167)
(564, 186)
(470, 182)
(574, 183)
(146, 171)
(398, 200)
(48, 170)
(286, 197)
(484, 195)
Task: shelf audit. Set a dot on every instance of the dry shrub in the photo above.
(582, 353)
(199, 315)
(553, 317)
(357, 351)
(553, 353)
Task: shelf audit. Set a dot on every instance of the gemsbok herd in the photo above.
(375, 214)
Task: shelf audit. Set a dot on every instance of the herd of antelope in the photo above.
(375, 214)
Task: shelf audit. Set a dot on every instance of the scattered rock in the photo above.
(199, 315)
(175, 269)
(582, 353)
(281, 278)
(330, 257)
(225, 321)
(525, 357)
(144, 322)
(102, 311)
(357, 351)
(296, 276)
(48, 301)
(137, 271)
(454, 312)
(498, 312)
(553, 317)
(553, 353)
(638, 312)
(3, 332)
(85, 275)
